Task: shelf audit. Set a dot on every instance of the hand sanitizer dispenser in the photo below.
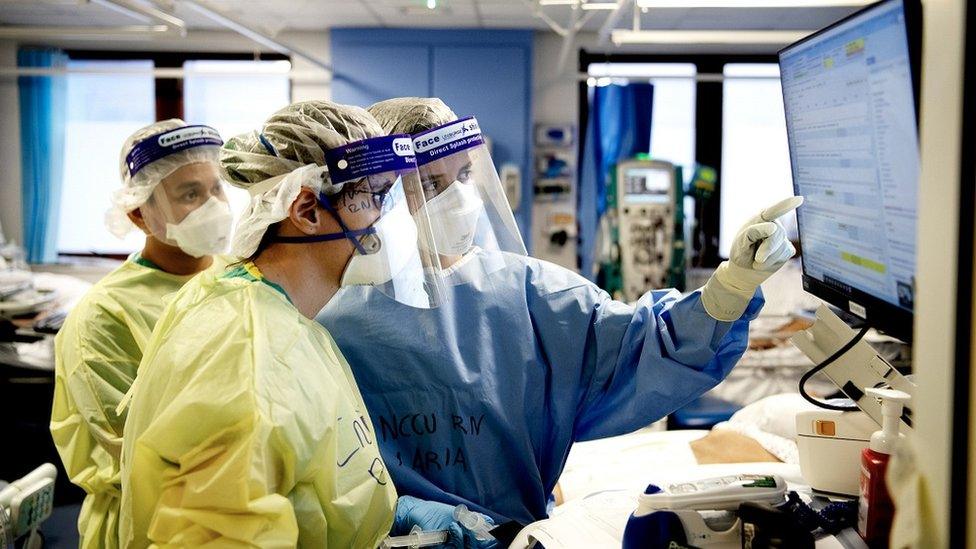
(875, 509)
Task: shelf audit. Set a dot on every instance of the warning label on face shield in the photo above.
(448, 139)
(391, 153)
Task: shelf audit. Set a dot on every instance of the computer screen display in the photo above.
(851, 122)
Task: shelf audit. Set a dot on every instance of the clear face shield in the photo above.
(188, 208)
(379, 206)
(472, 223)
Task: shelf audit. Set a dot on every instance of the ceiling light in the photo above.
(119, 8)
(599, 6)
(126, 32)
(415, 10)
(558, 2)
(431, 4)
(46, 2)
(624, 36)
(751, 3)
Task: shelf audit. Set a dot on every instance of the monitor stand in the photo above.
(858, 368)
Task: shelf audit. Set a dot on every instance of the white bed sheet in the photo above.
(620, 462)
(633, 461)
(603, 478)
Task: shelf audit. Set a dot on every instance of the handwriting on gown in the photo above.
(420, 431)
(364, 439)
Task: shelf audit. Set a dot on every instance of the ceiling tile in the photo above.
(61, 14)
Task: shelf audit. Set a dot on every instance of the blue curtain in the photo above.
(42, 127)
(619, 126)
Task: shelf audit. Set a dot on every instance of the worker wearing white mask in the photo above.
(172, 192)
(246, 426)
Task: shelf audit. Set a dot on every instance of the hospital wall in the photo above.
(555, 96)
(10, 213)
(486, 74)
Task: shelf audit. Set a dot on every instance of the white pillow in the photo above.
(771, 422)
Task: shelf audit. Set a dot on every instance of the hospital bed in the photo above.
(598, 489)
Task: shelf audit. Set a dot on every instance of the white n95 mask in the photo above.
(392, 248)
(454, 216)
(205, 230)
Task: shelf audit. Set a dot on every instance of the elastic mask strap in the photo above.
(353, 236)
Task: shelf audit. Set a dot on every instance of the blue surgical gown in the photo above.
(479, 401)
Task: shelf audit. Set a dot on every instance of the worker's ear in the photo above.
(137, 219)
(306, 214)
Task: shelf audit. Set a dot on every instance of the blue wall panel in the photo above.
(370, 73)
(490, 83)
(485, 73)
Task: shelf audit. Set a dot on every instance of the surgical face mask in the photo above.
(454, 216)
(391, 250)
(204, 231)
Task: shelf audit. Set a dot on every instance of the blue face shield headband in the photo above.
(162, 145)
(358, 161)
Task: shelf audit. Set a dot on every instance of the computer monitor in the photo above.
(850, 96)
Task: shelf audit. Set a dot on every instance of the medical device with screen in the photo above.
(850, 99)
(645, 217)
(648, 185)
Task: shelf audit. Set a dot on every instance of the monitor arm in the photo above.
(858, 368)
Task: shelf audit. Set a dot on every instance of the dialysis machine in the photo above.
(649, 221)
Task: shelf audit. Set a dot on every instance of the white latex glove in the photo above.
(760, 248)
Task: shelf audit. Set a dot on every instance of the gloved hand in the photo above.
(760, 248)
(432, 515)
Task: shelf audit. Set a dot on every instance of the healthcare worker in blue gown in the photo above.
(479, 401)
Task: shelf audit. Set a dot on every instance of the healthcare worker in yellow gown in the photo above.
(171, 192)
(245, 425)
